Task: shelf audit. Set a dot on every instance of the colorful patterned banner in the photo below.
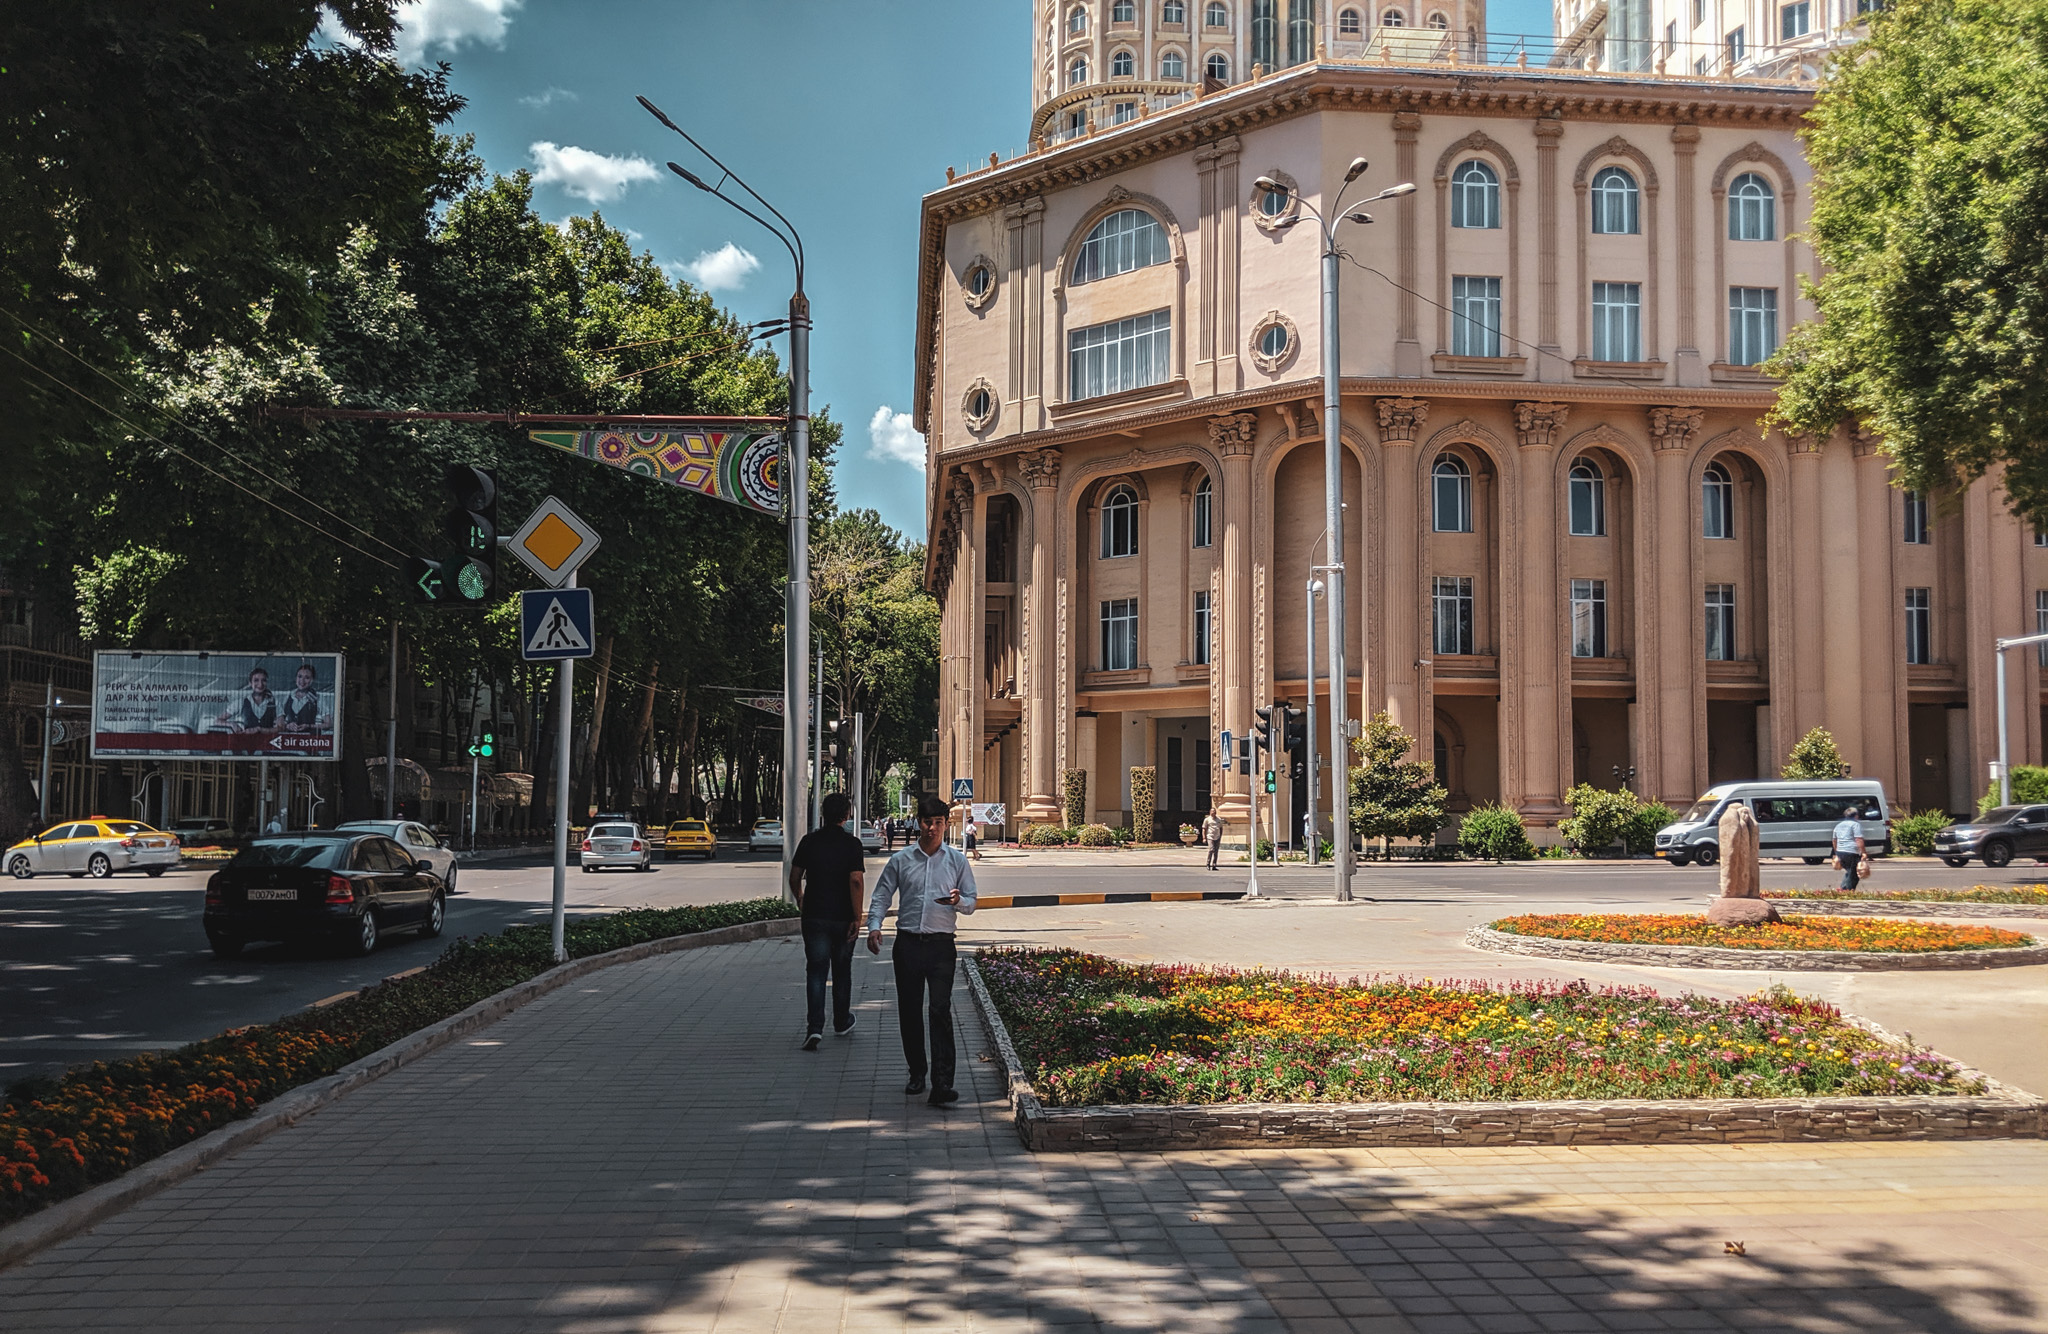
(742, 466)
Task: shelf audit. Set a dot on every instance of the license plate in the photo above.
(1662, 853)
(273, 895)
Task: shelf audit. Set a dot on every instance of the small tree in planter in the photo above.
(1096, 836)
(1074, 791)
(1144, 801)
(1815, 756)
(1598, 817)
(1495, 833)
(1392, 797)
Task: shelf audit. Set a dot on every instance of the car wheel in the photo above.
(1813, 861)
(711, 854)
(20, 869)
(100, 867)
(1706, 854)
(1997, 854)
(1957, 862)
(450, 880)
(365, 938)
(1677, 859)
(589, 869)
(153, 871)
(225, 947)
(437, 915)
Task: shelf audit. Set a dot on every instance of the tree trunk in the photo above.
(588, 767)
(636, 746)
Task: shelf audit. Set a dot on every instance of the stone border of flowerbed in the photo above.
(23, 1238)
(1707, 956)
(2002, 1113)
(1908, 908)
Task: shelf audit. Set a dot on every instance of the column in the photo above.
(1549, 133)
(1674, 676)
(1234, 437)
(1806, 519)
(1021, 221)
(1544, 695)
(1399, 419)
(1841, 576)
(1996, 603)
(1685, 143)
(1886, 748)
(1408, 344)
(974, 519)
(1041, 471)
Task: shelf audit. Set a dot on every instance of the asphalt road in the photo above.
(95, 970)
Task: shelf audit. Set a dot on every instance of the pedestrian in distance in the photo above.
(931, 884)
(1849, 847)
(828, 878)
(1212, 835)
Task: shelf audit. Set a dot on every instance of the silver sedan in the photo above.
(417, 840)
(617, 845)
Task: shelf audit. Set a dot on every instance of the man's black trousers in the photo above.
(924, 967)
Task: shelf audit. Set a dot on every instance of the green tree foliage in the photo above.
(1496, 834)
(2029, 786)
(1074, 797)
(1913, 835)
(1393, 796)
(1815, 757)
(1599, 818)
(1929, 145)
(880, 629)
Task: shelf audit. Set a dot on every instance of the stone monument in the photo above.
(1742, 901)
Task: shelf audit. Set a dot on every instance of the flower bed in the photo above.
(2028, 894)
(1857, 934)
(1091, 1030)
(59, 1137)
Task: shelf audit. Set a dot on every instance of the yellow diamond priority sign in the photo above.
(553, 542)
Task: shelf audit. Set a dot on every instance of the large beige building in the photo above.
(1572, 553)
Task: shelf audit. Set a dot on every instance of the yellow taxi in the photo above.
(97, 847)
(691, 836)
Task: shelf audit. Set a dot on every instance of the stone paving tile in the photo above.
(647, 1151)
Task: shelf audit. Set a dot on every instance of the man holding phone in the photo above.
(935, 884)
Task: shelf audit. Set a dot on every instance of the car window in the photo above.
(125, 827)
(324, 853)
(396, 857)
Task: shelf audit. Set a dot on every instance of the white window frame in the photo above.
(1752, 208)
(1119, 355)
(1913, 518)
(1450, 495)
(1617, 321)
(1202, 618)
(1077, 73)
(1720, 608)
(1217, 67)
(1795, 20)
(1173, 67)
(1120, 634)
(1717, 503)
(1919, 626)
(1350, 23)
(1120, 522)
(1586, 480)
(1752, 325)
(1174, 12)
(1475, 315)
(1204, 518)
(1475, 195)
(1123, 65)
(1451, 615)
(1123, 242)
(1123, 11)
(1617, 203)
(1589, 618)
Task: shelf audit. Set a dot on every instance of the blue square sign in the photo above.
(963, 789)
(556, 623)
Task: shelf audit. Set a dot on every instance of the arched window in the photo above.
(1123, 11)
(1615, 211)
(1077, 73)
(1219, 67)
(1120, 523)
(1752, 209)
(1450, 485)
(1077, 21)
(1174, 12)
(1717, 502)
(1475, 195)
(1205, 509)
(1392, 19)
(1350, 23)
(1218, 16)
(1172, 67)
(1120, 65)
(1127, 239)
(1439, 22)
(1589, 500)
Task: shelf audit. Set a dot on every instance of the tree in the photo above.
(1929, 146)
(1815, 757)
(1392, 796)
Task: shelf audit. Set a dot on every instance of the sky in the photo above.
(842, 113)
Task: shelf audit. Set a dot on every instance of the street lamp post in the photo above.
(1333, 491)
(1315, 589)
(796, 479)
(2004, 766)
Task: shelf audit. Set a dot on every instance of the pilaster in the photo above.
(1538, 782)
(1408, 343)
(1549, 134)
(1041, 472)
(1674, 678)
(1401, 653)
(1685, 356)
(1234, 438)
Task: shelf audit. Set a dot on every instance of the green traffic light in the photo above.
(486, 748)
(473, 581)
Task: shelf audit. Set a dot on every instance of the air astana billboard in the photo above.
(224, 706)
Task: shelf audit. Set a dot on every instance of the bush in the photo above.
(1598, 817)
(1265, 851)
(1495, 834)
(2029, 786)
(1913, 835)
(1815, 756)
(1096, 836)
(1074, 794)
(1641, 833)
(1122, 836)
(1044, 836)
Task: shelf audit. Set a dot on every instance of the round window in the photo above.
(1273, 342)
(979, 281)
(979, 404)
(1273, 203)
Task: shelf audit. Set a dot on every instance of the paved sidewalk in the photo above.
(646, 1150)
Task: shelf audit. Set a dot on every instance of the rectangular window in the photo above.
(1120, 635)
(1205, 766)
(1720, 622)
(1752, 324)
(2041, 537)
(1913, 532)
(1617, 321)
(1204, 516)
(1919, 626)
(1475, 316)
(1122, 354)
(1201, 629)
(1699, 66)
(1589, 618)
(1699, 12)
(1123, 111)
(1870, 6)
(1738, 46)
(1453, 597)
(2041, 625)
(1173, 783)
(1795, 20)
(1670, 37)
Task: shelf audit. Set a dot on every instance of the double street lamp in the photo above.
(1333, 492)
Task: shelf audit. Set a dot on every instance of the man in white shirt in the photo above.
(933, 884)
(1849, 846)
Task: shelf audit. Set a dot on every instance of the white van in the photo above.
(1792, 820)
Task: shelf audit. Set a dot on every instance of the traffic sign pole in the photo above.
(565, 698)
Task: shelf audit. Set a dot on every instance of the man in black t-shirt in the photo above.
(827, 877)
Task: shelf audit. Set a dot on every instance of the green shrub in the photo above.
(1265, 852)
(1913, 835)
(1598, 817)
(2029, 786)
(1495, 833)
(1074, 794)
(1815, 756)
(1044, 836)
(1641, 833)
(1096, 836)
(1122, 836)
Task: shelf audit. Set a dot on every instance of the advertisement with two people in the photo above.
(216, 705)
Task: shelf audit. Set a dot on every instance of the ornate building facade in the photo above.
(1572, 553)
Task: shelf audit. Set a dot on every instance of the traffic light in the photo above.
(1262, 734)
(472, 525)
(1296, 742)
(428, 579)
(487, 746)
(1272, 782)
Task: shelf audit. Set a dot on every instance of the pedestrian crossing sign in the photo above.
(556, 624)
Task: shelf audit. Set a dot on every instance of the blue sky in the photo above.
(843, 113)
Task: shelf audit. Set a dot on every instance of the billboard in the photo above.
(222, 706)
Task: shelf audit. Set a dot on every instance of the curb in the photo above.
(67, 1218)
(1908, 908)
(1136, 896)
(1707, 956)
(2002, 1113)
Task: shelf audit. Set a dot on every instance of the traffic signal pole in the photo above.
(391, 732)
(565, 698)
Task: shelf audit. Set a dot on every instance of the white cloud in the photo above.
(547, 96)
(441, 26)
(725, 268)
(892, 437)
(597, 177)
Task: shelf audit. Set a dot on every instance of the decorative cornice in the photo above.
(1675, 428)
(1400, 417)
(1406, 123)
(1685, 138)
(1234, 433)
(1537, 424)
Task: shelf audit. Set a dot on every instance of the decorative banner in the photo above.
(765, 703)
(743, 466)
(223, 706)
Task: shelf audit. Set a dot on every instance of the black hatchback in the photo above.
(343, 888)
